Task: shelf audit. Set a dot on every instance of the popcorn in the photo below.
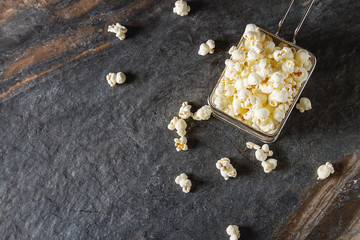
(204, 113)
(181, 8)
(238, 55)
(260, 155)
(302, 56)
(184, 182)
(207, 47)
(229, 90)
(269, 165)
(233, 232)
(172, 123)
(253, 79)
(261, 80)
(180, 144)
(178, 124)
(119, 30)
(226, 169)
(252, 145)
(300, 74)
(325, 170)
(184, 111)
(113, 78)
(277, 78)
(303, 105)
(278, 96)
(220, 102)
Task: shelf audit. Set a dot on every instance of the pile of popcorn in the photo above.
(204, 113)
(261, 154)
(261, 80)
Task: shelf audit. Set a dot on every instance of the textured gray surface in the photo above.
(82, 160)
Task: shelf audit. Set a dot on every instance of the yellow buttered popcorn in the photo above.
(261, 80)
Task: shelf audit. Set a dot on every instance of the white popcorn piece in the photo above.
(181, 144)
(260, 155)
(226, 169)
(238, 55)
(120, 78)
(204, 49)
(111, 79)
(204, 113)
(119, 30)
(207, 47)
(252, 145)
(184, 111)
(300, 74)
(303, 105)
(325, 170)
(302, 56)
(269, 165)
(233, 232)
(172, 123)
(184, 182)
(220, 102)
(180, 124)
(181, 8)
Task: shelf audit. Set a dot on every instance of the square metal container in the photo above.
(258, 134)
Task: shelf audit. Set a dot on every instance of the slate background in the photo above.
(82, 160)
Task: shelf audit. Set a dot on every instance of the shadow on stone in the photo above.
(196, 6)
(133, 31)
(196, 182)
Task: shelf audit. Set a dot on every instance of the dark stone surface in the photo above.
(82, 160)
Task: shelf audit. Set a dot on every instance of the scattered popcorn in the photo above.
(184, 111)
(303, 105)
(184, 182)
(180, 144)
(325, 170)
(261, 80)
(181, 8)
(226, 169)
(267, 150)
(269, 165)
(113, 78)
(119, 30)
(252, 145)
(204, 113)
(207, 47)
(233, 232)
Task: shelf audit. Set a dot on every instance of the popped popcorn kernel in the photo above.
(119, 30)
(226, 169)
(181, 144)
(325, 170)
(184, 111)
(204, 113)
(303, 105)
(233, 232)
(184, 182)
(207, 47)
(269, 165)
(181, 8)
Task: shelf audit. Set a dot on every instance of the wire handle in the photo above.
(300, 23)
